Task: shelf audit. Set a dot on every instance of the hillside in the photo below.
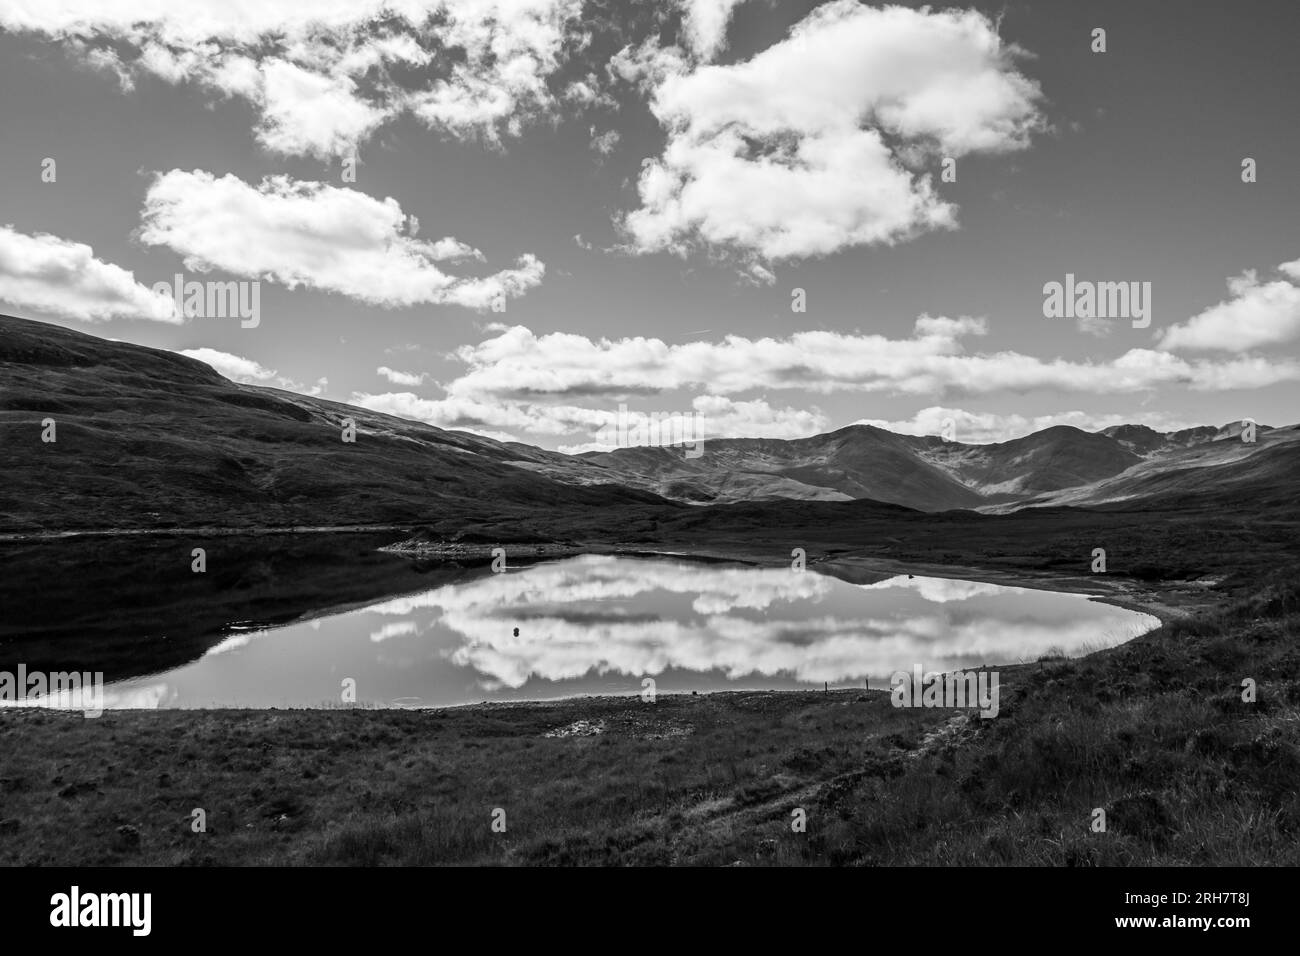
(1227, 474)
(855, 462)
(147, 438)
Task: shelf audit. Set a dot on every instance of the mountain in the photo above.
(146, 438)
(855, 462)
(1147, 442)
(1058, 465)
(1057, 457)
(150, 439)
(1220, 470)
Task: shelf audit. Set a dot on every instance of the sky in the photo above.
(534, 219)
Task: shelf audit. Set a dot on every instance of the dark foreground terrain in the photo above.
(1154, 732)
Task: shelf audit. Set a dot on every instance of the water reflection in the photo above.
(598, 624)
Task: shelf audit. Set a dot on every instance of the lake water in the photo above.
(599, 624)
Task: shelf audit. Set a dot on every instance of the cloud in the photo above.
(325, 75)
(587, 92)
(604, 143)
(249, 372)
(519, 383)
(981, 428)
(318, 236)
(1258, 314)
(468, 414)
(234, 367)
(305, 113)
(804, 149)
(704, 23)
(517, 364)
(449, 249)
(707, 416)
(63, 278)
(409, 379)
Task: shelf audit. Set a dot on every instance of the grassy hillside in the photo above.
(855, 462)
(151, 439)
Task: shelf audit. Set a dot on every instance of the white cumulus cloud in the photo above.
(247, 371)
(705, 24)
(323, 75)
(805, 149)
(314, 235)
(1257, 314)
(517, 364)
(408, 379)
(63, 278)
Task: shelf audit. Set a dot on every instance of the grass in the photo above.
(1154, 732)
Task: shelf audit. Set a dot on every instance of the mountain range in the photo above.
(149, 438)
(1061, 465)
